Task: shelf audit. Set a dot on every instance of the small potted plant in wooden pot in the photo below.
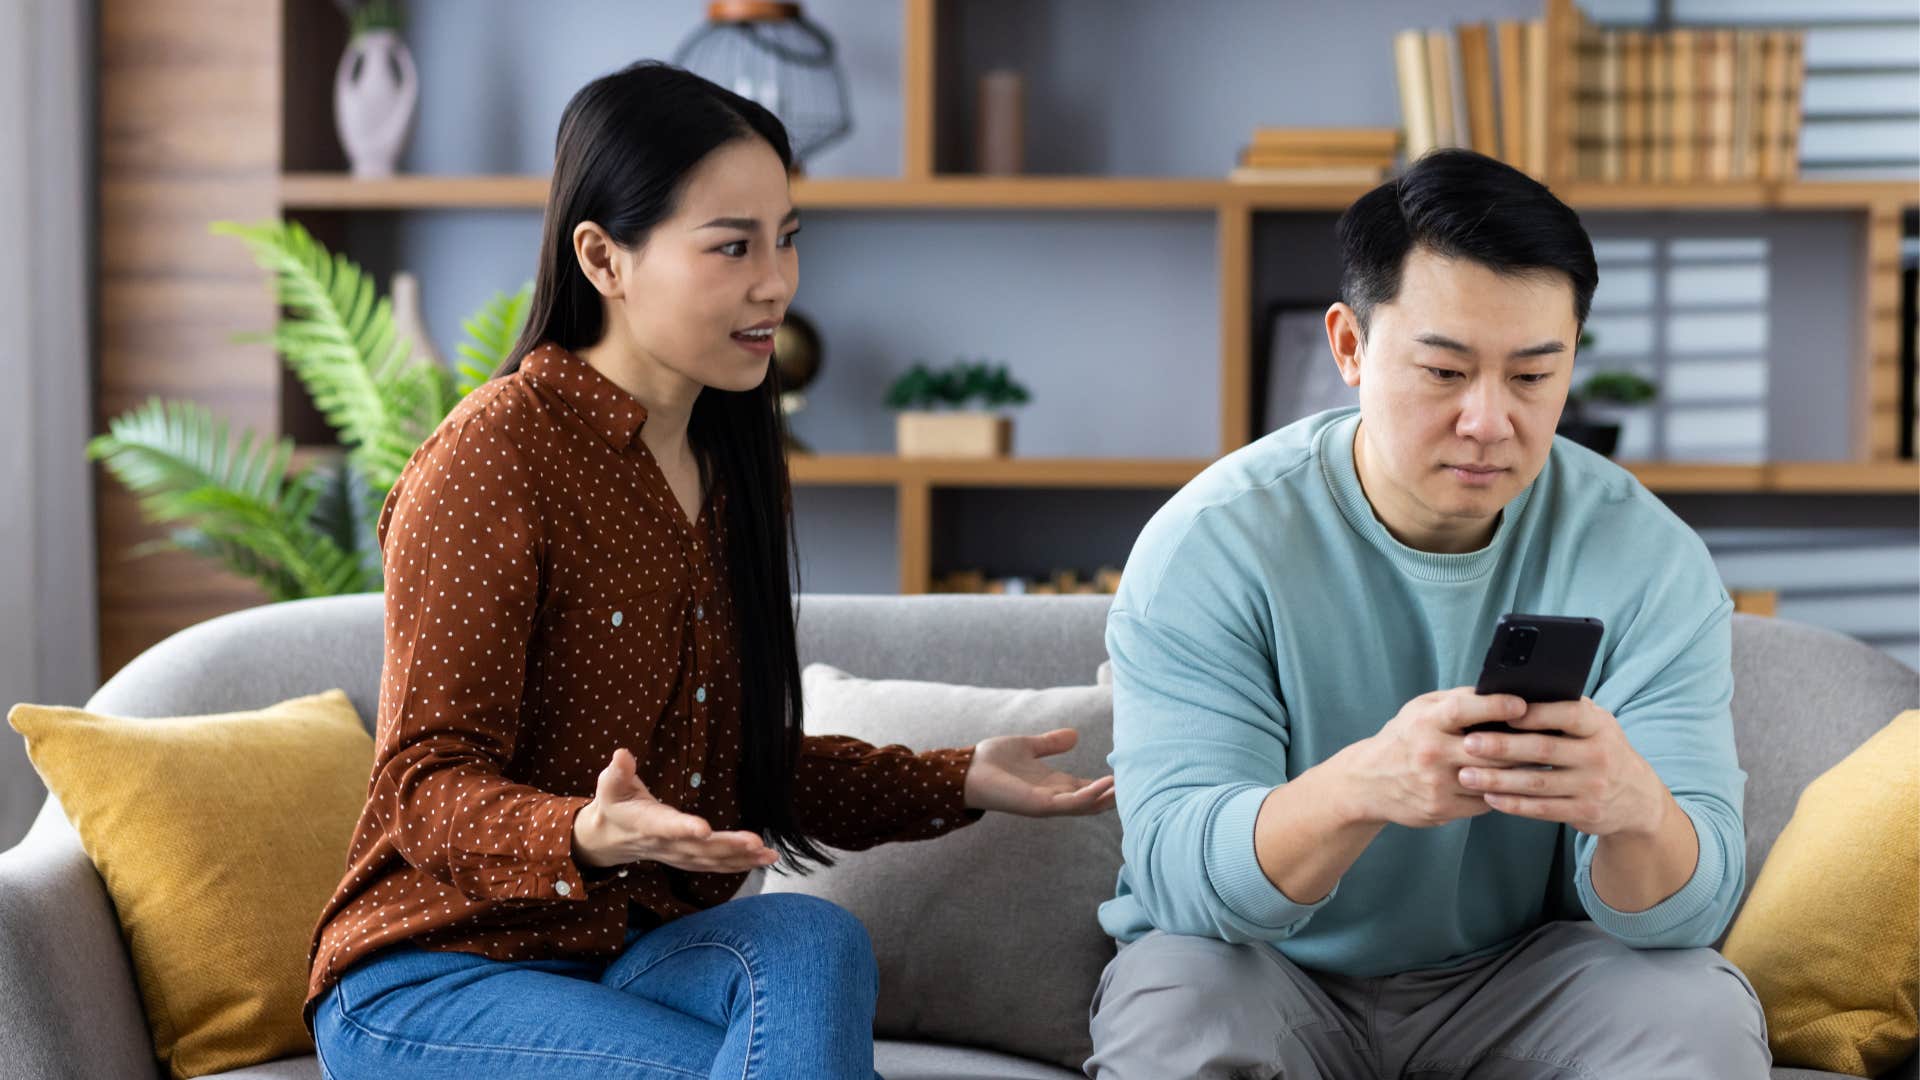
(1593, 414)
(948, 412)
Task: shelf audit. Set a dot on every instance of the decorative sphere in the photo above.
(796, 352)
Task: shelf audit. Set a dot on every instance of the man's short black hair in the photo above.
(1461, 204)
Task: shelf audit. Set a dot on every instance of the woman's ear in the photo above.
(1343, 337)
(599, 258)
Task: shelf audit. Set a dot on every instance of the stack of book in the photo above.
(1561, 98)
(1318, 156)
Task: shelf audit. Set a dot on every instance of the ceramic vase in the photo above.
(375, 90)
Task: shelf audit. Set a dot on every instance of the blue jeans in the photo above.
(775, 985)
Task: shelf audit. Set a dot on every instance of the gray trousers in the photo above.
(1566, 1001)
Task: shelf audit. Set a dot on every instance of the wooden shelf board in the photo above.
(1781, 477)
(875, 470)
(857, 470)
(1668, 477)
(339, 191)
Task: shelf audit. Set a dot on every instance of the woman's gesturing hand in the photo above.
(625, 823)
(1007, 774)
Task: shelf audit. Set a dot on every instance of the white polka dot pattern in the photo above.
(547, 602)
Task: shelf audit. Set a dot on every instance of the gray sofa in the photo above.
(68, 1003)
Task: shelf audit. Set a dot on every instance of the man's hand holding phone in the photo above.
(1409, 772)
(1597, 782)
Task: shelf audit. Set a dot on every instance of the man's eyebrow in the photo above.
(1545, 348)
(746, 224)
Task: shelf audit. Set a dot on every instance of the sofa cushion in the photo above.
(986, 937)
(1827, 935)
(219, 838)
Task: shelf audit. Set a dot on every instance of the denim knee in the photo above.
(827, 934)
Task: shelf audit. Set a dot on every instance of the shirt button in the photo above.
(562, 888)
(936, 823)
(618, 618)
(700, 612)
(694, 780)
(700, 695)
(622, 873)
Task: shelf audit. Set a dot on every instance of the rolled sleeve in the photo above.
(1233, 868)
(1677, 714)
(1670, 921)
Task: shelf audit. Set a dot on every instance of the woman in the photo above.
(590, 721)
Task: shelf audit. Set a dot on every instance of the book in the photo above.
(1509, 36)
(1659, 109)
(1796, 65)
(1773, 102)
(1330, 174)
(1589, 135)
(1416, 92)
(1633, 107)
(1476, 76)
(1611, 92)
(1682, 107)
(1355, 140)
(1723, 100)
(1539, 108)
(1740, 165)
(1562, 27)
(1290, 159)
(1440, 76)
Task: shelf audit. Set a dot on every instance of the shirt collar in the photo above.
(609, 410)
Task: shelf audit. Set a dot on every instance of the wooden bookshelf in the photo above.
(227, 166)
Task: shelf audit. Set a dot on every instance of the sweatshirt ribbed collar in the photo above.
(1343, 480)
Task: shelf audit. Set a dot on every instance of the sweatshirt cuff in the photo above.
(1233, 867)
(1695, 897)
(542, 870)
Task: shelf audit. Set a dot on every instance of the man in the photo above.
(1325, 875)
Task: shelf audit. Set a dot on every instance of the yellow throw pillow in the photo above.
(220, 839)
(1828, 936)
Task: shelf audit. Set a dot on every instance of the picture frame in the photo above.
(1295, 375)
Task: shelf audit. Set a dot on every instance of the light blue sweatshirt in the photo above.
(1266, 619)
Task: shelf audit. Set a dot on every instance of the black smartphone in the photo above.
(1538, 658)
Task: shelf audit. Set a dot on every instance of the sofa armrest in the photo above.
(69, 1006)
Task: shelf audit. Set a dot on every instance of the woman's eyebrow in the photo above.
(746, 224)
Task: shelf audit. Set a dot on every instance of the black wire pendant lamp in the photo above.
(771, 53)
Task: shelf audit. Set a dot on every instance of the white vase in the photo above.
(409, 322)
(375, 90)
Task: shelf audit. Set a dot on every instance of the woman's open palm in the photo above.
(1007, 774)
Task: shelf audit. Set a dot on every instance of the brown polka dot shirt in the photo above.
(547, 602)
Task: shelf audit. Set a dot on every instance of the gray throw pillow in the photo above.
(989, 936)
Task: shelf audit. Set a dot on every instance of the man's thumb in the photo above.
(620, 780)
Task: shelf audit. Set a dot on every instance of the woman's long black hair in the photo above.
(627, 142)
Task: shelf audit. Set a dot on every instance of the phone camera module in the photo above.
(1520, 646)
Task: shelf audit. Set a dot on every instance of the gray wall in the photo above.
(48, 630)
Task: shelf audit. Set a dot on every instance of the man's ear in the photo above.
(1343, 337)
(599, 259)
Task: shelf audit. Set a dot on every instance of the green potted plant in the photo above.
(307, 530)
(1592, 418)
(945, 412)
